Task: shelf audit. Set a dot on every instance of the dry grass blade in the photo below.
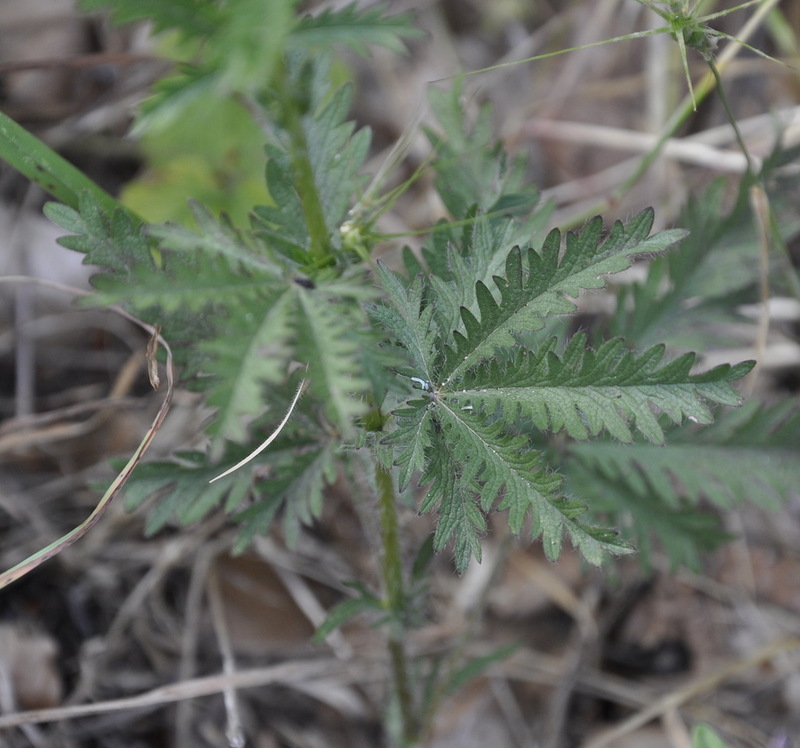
(271, 438)
(698, 686)
(234, 732)
(38, 558)
(288, 672)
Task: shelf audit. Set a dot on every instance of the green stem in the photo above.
(772, 222)
(392, 572)
(731, 118)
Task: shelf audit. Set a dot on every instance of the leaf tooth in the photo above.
(486, 302)
(677, 370)
(470, 321)
(514, 267)
(647, 423)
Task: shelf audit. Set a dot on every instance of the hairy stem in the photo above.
(392, 572)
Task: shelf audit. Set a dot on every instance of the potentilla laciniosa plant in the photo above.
(452, 374)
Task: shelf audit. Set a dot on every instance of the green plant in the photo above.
(451, 381)
(704, 737)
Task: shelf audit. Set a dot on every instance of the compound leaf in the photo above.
(540, 285)
(583, 392)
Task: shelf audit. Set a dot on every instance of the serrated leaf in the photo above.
(474, 465)
(113, 240)
(214, 237)
(337, 154)
(412, 436)
(691, 296)
(187, 494)
(358, 28)
(749, 455)
(539, 287)
(584, 392)
(682, 530)
(407, 320)
(474, 252)
(334, 154)
(251, 350)
(193, 283)
(472, 169)
(328, 341)
(459, 515)
(282, 226)
(295, 488)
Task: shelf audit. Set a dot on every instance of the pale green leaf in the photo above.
(328, 337)
(251, 351)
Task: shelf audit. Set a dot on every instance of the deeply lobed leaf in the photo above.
(584, 392)
(471, 467)
(540, 286)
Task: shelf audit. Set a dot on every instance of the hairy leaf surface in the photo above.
(328, 336)
(251, 351)
(539, 286)
(583, 392)
(295, 488)
(472, 467)
(748, 455)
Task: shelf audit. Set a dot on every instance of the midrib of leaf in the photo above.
(585, 410)
(506, 471)
(528, 492)
(584, 391)
(194, 291)
(411, 438)
(217, 238)
(411, 325)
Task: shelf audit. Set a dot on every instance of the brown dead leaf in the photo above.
(260, 613)
(28, 675)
